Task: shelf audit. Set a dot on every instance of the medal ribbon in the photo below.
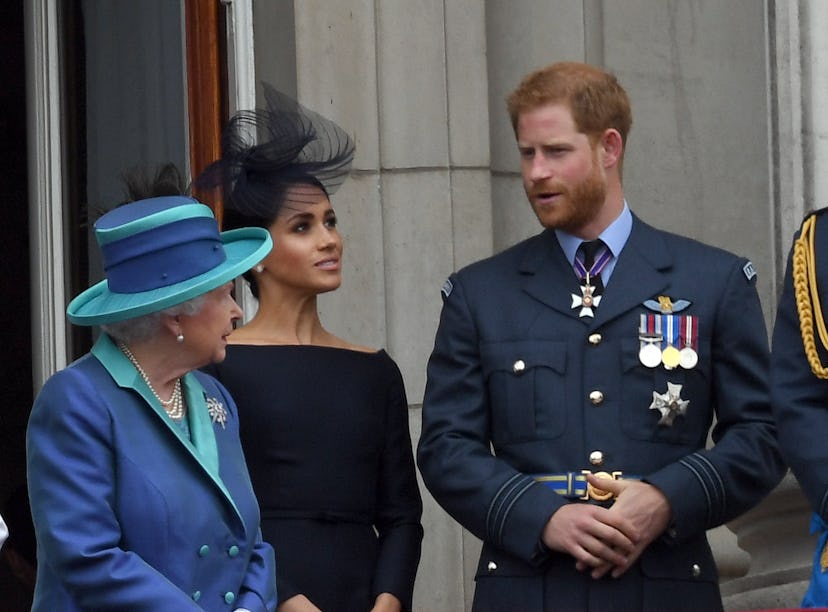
(649, 326)
(598, 265)
(689, 332)
(671, 330)
(649, 337)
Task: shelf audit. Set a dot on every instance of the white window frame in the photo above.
(47, 191)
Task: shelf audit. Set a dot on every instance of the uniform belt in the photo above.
(574, 485)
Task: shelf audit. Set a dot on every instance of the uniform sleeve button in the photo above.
(596, 397)
(519, 366)
(204, 551)
(196, 595)
(695, 570)
(491, 567)
(233, 551)
(229, 597)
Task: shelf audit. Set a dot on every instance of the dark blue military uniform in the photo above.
(799, 389)
(523, 394)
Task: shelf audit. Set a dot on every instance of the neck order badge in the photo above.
(591, 259)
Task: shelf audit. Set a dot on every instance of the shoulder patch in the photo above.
(447, 288)
(749, 270)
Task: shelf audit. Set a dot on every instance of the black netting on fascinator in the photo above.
(270, 156)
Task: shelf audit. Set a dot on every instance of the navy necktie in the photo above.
(589, 250)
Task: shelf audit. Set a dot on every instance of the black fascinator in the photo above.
(266, 151)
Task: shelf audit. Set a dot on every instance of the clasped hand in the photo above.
(609, 539)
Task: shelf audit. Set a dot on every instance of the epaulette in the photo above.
(817, 212)
(806, 292)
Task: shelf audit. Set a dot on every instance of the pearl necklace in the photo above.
(175, 405)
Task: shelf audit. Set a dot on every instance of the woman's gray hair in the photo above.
(145, 327)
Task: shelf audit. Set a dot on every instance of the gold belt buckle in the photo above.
(596, 494)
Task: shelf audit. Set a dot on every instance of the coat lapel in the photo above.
(203, 447)
(639, 274)
(550, 278)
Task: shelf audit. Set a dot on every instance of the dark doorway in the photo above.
(16, 372)
(15, 303)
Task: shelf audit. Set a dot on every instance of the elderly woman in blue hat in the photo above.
(139, 492)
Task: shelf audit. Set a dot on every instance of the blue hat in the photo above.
(161, 252)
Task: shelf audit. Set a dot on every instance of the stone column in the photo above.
(409, 81)
(775, 535)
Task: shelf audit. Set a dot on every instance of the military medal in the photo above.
(690, 334)
(670, 357)
(649, 337)
(589, 298)
(669, 404)
(688, 358)
(676, 335)
(650, 354)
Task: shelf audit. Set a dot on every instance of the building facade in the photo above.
(725, 147)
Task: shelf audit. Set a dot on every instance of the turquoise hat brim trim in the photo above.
(244, 247)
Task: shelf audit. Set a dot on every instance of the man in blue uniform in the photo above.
(572, 386)
(799, 382)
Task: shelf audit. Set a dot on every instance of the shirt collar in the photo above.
(614, 236)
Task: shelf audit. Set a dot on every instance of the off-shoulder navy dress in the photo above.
(325, 433)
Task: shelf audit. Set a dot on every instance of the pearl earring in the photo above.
(180, 337)
(259, 268)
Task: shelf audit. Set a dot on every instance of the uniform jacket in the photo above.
(800, 400)
(514, 368)
(129, 513)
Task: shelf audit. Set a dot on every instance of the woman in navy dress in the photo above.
(324, 422)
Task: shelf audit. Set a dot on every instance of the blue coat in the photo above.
(515, 369)
(800, 401)
(129, 513)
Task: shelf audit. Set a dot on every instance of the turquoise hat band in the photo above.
(244, 248)
(106, 232)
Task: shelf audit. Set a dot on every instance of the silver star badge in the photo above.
(586, 301)
(669, 404)
(217, 411)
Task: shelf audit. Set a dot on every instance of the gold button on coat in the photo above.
(595, 338)
(518, 366)
(596, 397)
(596, 458)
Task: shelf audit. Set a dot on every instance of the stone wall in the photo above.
(721, 127)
